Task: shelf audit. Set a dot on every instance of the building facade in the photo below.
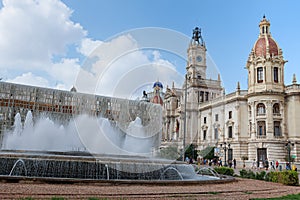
(258, 123)
(61, 106)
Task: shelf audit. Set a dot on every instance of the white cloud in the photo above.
(120, 68)
(65, 72)
(30, 79)
(87, 46)
(32, 32)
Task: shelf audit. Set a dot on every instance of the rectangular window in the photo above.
(261, 126)
(216, 134)
(276, 74)
(204, 120)
(230, 114)
(230, 154)
(216, 117)
(277, 129)
(204, 135)
(229, 131)
(206, 96)
(260, 75)
(201, 96)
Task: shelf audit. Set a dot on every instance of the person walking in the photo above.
(220, 162)
(272, 165)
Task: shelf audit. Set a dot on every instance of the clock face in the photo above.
(199, 58)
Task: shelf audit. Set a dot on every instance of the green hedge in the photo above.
(224, 170)
(287, 177)
(247, 174)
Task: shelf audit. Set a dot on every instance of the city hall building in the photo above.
(257, 123)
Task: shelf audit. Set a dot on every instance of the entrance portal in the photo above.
(261, 156)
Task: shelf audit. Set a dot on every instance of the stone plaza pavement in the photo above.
(240, 189)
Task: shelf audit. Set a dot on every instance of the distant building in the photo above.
(64, 105)
(257, 123)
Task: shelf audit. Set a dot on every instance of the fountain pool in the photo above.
(49, 152)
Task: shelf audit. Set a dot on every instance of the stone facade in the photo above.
(257, 123)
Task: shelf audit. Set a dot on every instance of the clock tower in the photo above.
(196, 64)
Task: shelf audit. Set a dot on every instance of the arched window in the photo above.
(276, 109)
(260, 75)
(261, 109)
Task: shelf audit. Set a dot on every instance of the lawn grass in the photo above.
(289, 197)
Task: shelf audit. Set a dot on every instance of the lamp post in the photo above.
(225, 147)
(184, 122)
(289, 146)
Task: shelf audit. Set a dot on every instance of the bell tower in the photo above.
(266, 88)
(196, 64)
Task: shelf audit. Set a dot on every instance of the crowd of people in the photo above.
(272, 165)
(212, 162)
(257, 165)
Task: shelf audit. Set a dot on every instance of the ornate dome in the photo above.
(158, 84)
(264, 45)
(73, 89)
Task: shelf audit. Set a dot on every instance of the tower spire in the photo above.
(264, 26)
(294, 79)
(197, 37)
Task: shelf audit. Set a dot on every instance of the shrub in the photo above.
(272, 177)
(224, 170)
(260, 175)
(289, 177)
(247, 174)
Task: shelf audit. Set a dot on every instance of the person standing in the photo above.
(277, 164)
(266, 164)
(234, 163)
(253, 164)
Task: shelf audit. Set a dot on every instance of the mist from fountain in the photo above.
(84, 133)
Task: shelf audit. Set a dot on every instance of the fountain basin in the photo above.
(74, 167)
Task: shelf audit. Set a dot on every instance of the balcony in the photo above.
(261, 136)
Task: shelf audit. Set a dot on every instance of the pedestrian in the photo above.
(220, 164)
(234, 163)
(266, 164)
(253, 164)
(191, 160)
(287, 166)
(187, 159)
(277, 164)
(272, 164)
(230, 163)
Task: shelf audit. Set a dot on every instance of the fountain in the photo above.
(87, 149)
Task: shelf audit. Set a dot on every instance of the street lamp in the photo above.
(289, 146)
(184, 122)
(225, 147)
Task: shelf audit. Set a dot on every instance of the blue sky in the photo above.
(229, 28)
